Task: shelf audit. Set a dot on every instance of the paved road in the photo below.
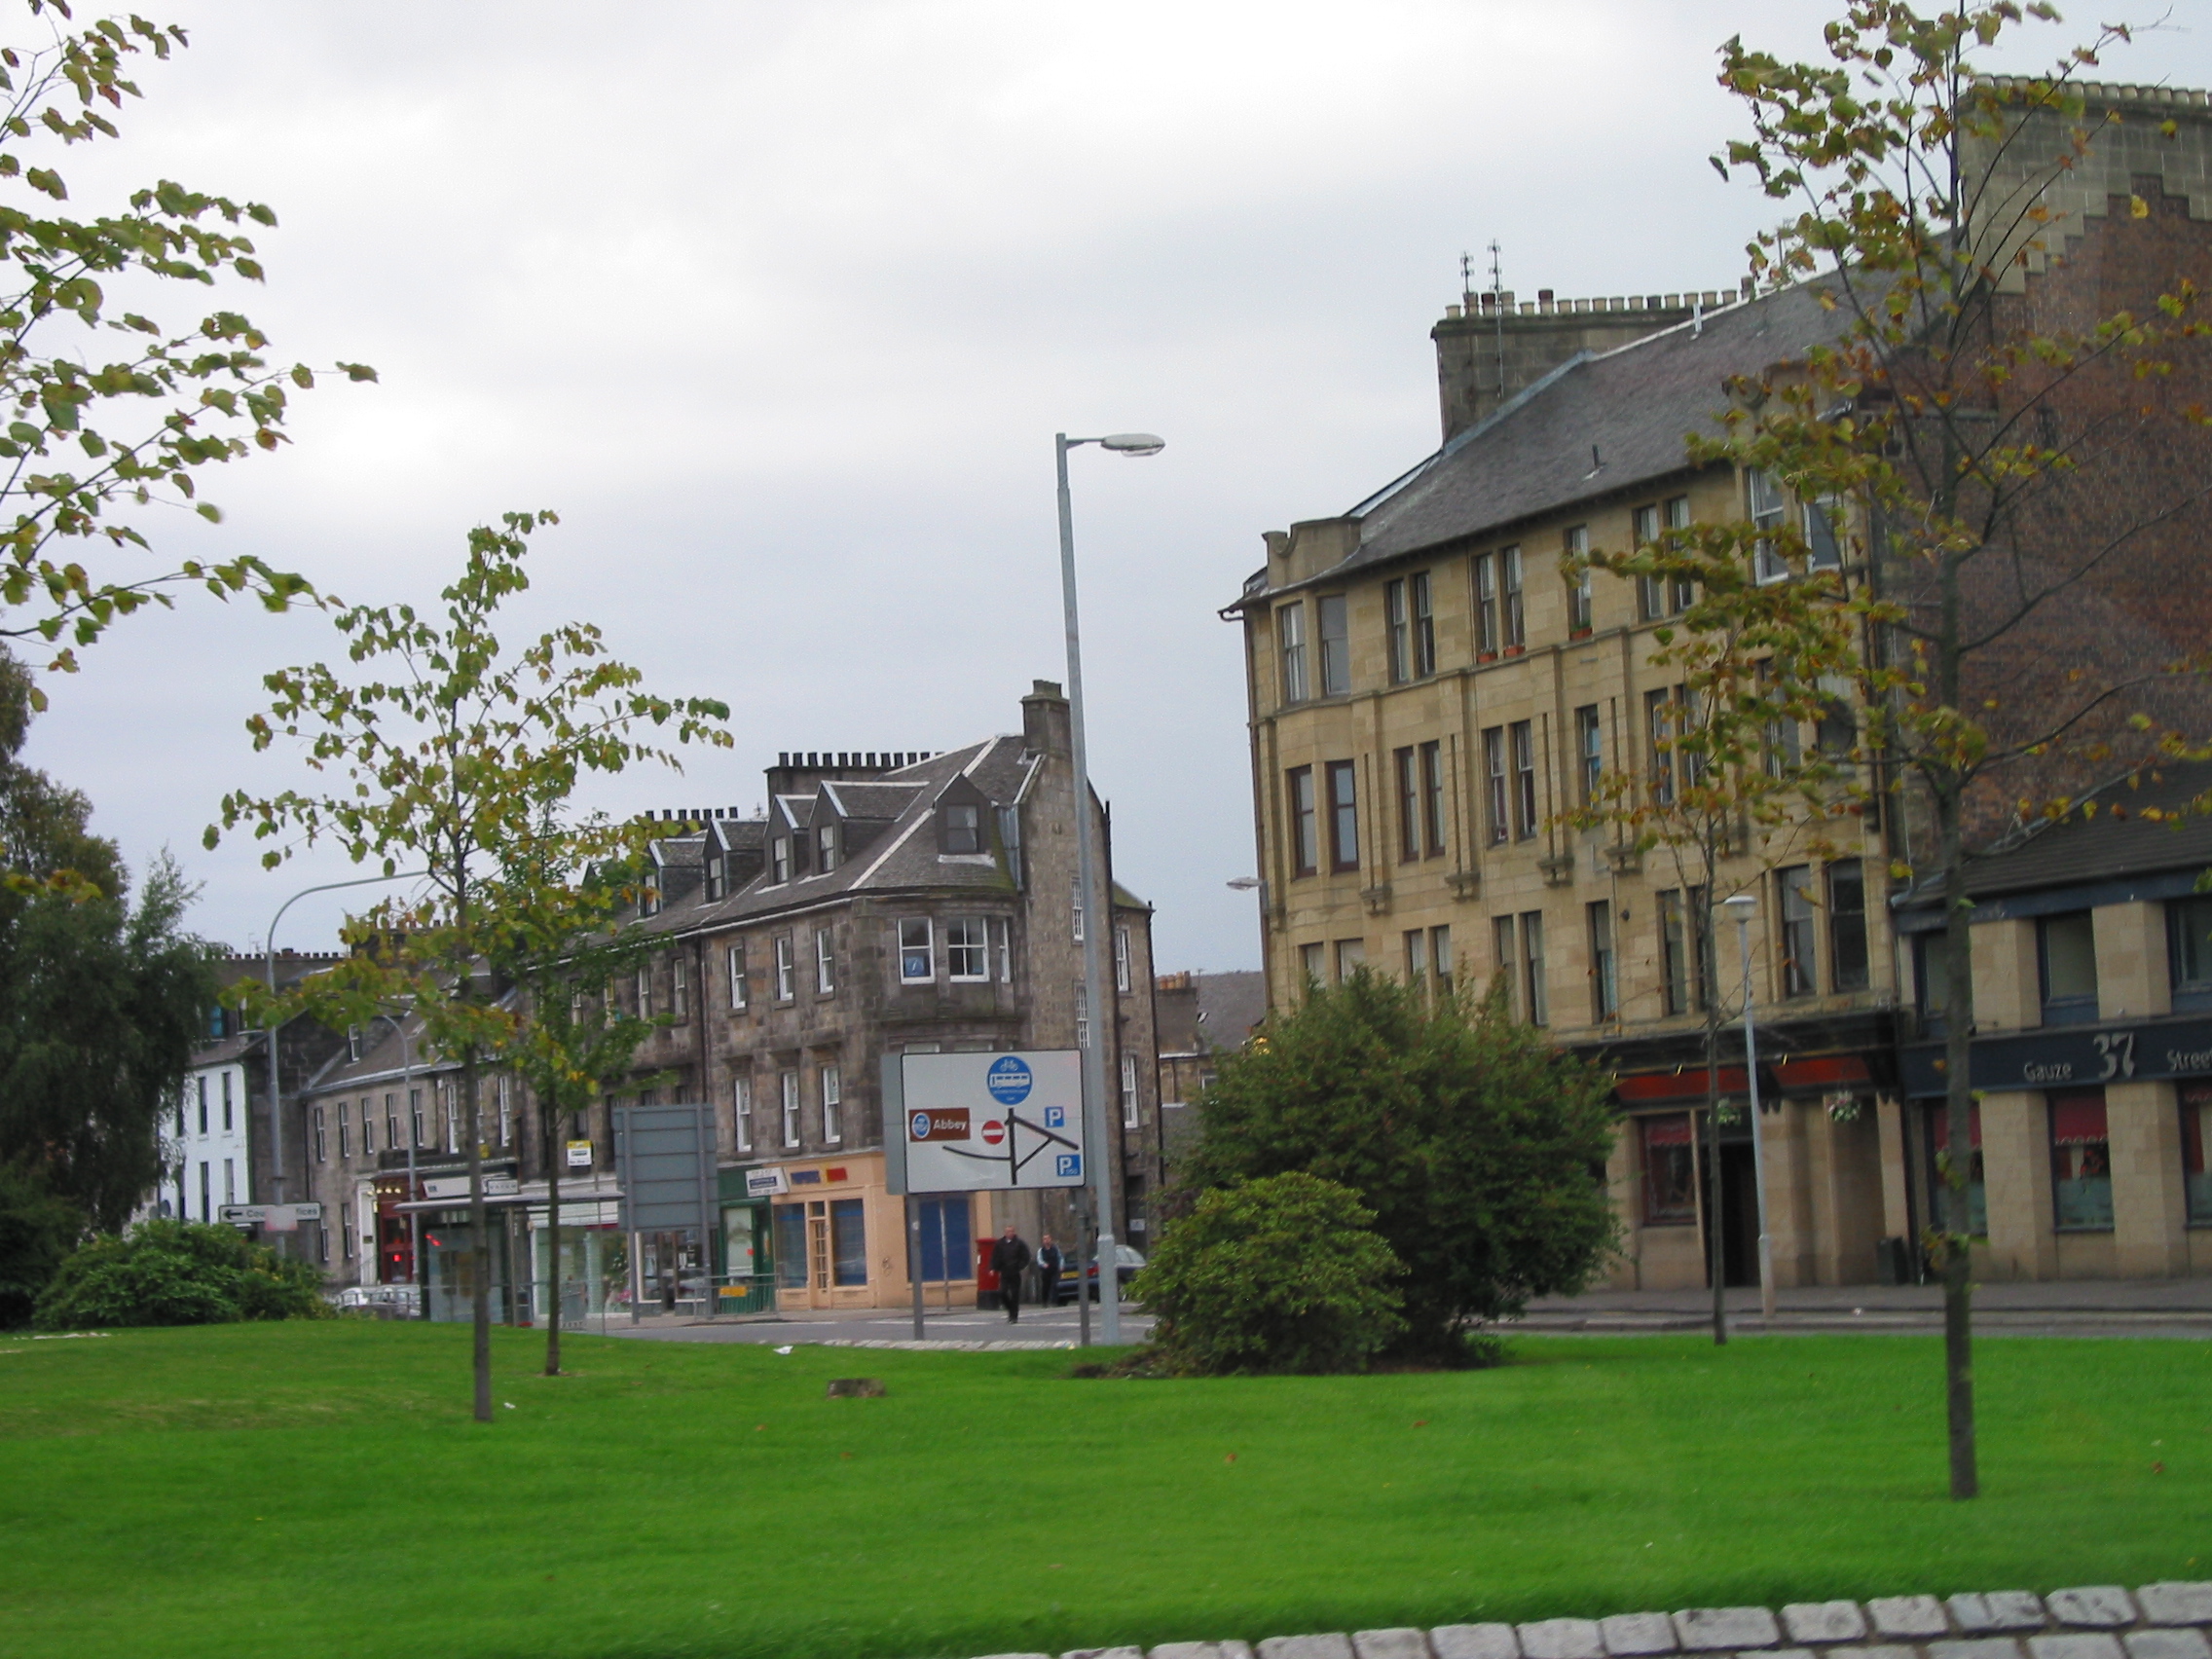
(1036, 1329)
(2077, 1307)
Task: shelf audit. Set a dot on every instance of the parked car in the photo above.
(1127, 1259)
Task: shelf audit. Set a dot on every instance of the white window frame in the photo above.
(1077, 902)
(1768, 510)
(644, 990)
(1006, 950)
(917, 932)
(791, 1108)
(967, 942)
(679, 987)
(1120, 959)
(1128, 1091)
(344, 1133)
(786, 976)
(824, 962)
(825, 848)
(319, 1147)
(1082, 1016)
(506, 1109)
(740, 1111)
(832, 1083)
(780, 853)
(737, 984)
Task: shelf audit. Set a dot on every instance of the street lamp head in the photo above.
(1740, 906)
(1244, 883)
(1133, 444)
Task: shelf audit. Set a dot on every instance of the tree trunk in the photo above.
(479, 1244)
(1958, 1111)
(1720, 1245)
(554, 1153)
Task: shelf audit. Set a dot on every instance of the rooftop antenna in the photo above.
(1497, 293)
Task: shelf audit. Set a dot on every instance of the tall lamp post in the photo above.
(1096, 918)
(1741, 905)
(276, 1078)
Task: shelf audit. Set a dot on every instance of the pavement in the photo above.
(881, 1327)
(2073, 1308)
(2069, 1308)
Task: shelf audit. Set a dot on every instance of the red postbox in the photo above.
(986, 1276)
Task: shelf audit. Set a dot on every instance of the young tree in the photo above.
(570, 1038)
(2021, 431)
(1470, 1138)
(1732, 788)
(459, 756)
(128, 416)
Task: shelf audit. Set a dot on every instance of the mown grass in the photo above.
(320, 1488)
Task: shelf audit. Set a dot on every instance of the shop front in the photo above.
(827, 1233)
(2088, 1149)
(441, 1220)
(588, 1277)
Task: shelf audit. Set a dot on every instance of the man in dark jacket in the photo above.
(1009, 1260)
(1050, 1262)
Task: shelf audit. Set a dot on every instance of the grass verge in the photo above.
(320, 1488)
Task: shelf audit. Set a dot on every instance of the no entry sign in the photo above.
(983, 1122)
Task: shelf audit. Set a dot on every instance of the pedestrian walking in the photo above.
(1009, 1260)
(1048, 1265)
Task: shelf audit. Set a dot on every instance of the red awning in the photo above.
(1673, 1130)
(1688, 1084)
(1821, 1071)
(2078, 1119)
(1941, 1119)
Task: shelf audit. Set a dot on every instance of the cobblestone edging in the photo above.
(2158, 1621)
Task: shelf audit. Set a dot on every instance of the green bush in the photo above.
(1284, 1273)
(36, 1231)
(1480, 1148)
(169, 1273)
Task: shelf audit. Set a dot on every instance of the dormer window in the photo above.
(780, 860)
(826, 848)
(648, 896)
(963, 828)
(717, 876)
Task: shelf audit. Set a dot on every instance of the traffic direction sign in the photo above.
(982, 1123)
(270, 1218)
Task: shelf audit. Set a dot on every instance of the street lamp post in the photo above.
(1741, 905)
(1098, 918)
(276, 1076)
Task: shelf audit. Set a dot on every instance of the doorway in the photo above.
(1738, 1214)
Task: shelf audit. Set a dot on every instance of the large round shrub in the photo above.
(1284, 1273)
(168, 1273)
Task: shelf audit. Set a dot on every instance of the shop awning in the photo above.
(2076, 1120)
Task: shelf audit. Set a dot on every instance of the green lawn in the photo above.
(320, 1490)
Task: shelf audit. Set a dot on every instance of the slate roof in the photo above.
(898, 853)
(2117, 842)
(1594, 426)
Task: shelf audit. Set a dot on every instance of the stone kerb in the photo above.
(2101, 1621)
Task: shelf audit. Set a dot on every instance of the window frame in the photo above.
(1332, 634)
(1581, 593)
(1290, 640)
(2092, 1176)
(824, 961)
(1505, 954)
(2072, 1008)
(1434, 804)
(1525, 794)
(1650, 591)
(1798, 926)
(2191, 990)
(1534, 969)
(1590, 754)
(1422, 593)
(792, 1104)
(1404, 765)
(957, 945)
(1605, 962)
(680, 987)
(786, 969)
(830, 1085)
(1488, 633)
(1496, 791)
(1343, 815)
(1122, 979)
(1516, 607)
(1129, 1101)
(1679, 1207)
(1397, 631)
(740, 1111)
(829, 846)
(739, 988)
(1846, 927)
(905, 930)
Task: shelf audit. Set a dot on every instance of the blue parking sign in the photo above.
(1069, 1166)
(1056, 1117)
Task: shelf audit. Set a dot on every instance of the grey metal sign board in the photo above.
(664, 1158)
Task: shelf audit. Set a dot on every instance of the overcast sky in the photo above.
(779, 305)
